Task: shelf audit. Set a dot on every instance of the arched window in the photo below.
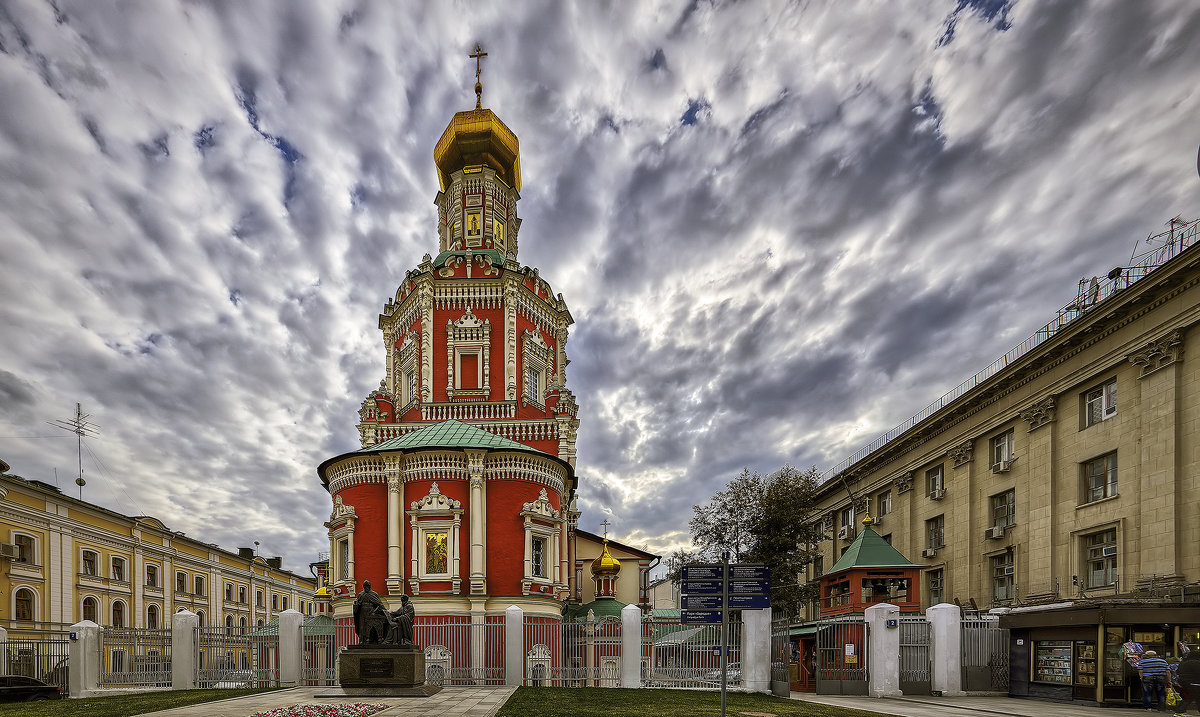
(118, 614)
(242, 623)
(24, 606)
(152, 617)
(229, 624)
(91, 609)
(260, 622)
(200, 614)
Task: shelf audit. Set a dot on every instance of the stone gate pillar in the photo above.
(183, 650)
(945, 632)
(884, 646)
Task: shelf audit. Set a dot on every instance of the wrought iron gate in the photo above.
(781, 654)
(135, 657)
(842, 656)
(675, 654)
(915, 659)
(984, 655)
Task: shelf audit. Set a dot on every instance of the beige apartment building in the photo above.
(63, 560)
(1061, 482)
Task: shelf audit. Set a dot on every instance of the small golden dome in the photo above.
(322, 591)
(606, 564)
(478, 138)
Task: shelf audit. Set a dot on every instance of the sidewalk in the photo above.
(965, 706)
(451, 702)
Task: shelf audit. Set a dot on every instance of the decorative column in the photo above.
(477, 514)
(425, 300)
(510, 337)
(395, 524)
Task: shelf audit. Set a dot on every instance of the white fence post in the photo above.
(945, 632)
(4, 640)
(884, 646)
(756, 650)
(631, 646)
(291, 647)
(183, 650)
(84, 651)
(514, 646)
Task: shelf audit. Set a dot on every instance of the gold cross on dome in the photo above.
(478, 55)
(605, 524)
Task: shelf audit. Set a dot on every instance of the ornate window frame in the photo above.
(341, 538)
(83, 611)
(541, 522)
(118, 564)
(468, 336)
(95, 562)
(26, 557)
(435, 513)
(406, 373)
(536, 361)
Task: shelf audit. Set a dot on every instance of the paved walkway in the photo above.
(453, 702)
(963, 706)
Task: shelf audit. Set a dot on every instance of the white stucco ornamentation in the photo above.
(435, 501)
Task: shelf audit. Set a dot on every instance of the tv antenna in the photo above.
(81, 427)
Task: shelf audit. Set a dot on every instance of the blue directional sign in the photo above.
(749, 572)
(702, 572)
(701, 602)
(749, 602)
(749, 587)
(692, 617)
(702, 587)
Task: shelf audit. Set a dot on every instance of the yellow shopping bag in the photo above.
(1172, 697)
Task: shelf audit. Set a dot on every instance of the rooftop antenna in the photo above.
(80, 426)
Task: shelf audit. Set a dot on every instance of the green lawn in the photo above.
(120, 705)
(609, 702)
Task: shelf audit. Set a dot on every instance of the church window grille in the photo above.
(539, 557)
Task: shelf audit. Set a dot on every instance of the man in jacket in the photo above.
(1188, 681)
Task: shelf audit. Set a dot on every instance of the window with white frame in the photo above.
(118, 614)
(1004, 509)
(1100, 558)
(23, 604)
(469, 349)
(242, 594)
(846, 518)
(935, 481)
(935, 586)
(1002, 450)
(151, 576)
(91, 609)
(152, 617)
(1100, 403)
(436, 520)
(536, 360)
(26, 549)
(343, 559)
(117, 568)
(181, 582)
(90, 561)
(935, 532)
(883, 503)
(406, 367)
(228, 592)
(538, 567)
(1100, 478)
(1002, 577)
(258, 598)
(274, 603)
(200, 586)
(285, 602)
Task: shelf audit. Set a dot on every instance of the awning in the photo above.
(803, 631)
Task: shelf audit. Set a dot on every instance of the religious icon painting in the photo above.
(498, 235)
(435, 553)
(474, 229)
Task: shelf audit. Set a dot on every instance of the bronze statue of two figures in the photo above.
(376, 625)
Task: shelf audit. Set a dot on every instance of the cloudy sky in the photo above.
(781, 228)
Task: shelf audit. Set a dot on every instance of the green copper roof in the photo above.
(870, 551)
(448, 434)
(601, 607)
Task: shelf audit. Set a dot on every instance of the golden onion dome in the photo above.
(606, 565)
(474, 139)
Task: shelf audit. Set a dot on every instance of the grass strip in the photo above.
(613, 702)
(121, 705)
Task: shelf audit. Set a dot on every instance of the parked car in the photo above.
(60, 674)
(16, 688)
(733, 674)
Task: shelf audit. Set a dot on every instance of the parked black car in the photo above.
(15, 688)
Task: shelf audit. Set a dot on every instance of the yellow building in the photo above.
(63, 560)
(1061, 482)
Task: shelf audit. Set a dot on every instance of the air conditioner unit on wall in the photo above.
(929, 553)
(1004, 466)
(8, 550)
(876, 521)
(846, 532)
(995, 532)
(937, 494)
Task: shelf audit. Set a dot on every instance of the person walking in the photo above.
(1152, 669)
(1188, 682)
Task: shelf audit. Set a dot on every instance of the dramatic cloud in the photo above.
(781, 228)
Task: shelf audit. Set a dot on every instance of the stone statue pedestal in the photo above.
(383, 670)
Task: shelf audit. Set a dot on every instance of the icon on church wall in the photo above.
(474, 229)
(498, 235)
(435, 553)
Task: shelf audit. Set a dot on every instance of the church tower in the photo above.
(461, 492)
